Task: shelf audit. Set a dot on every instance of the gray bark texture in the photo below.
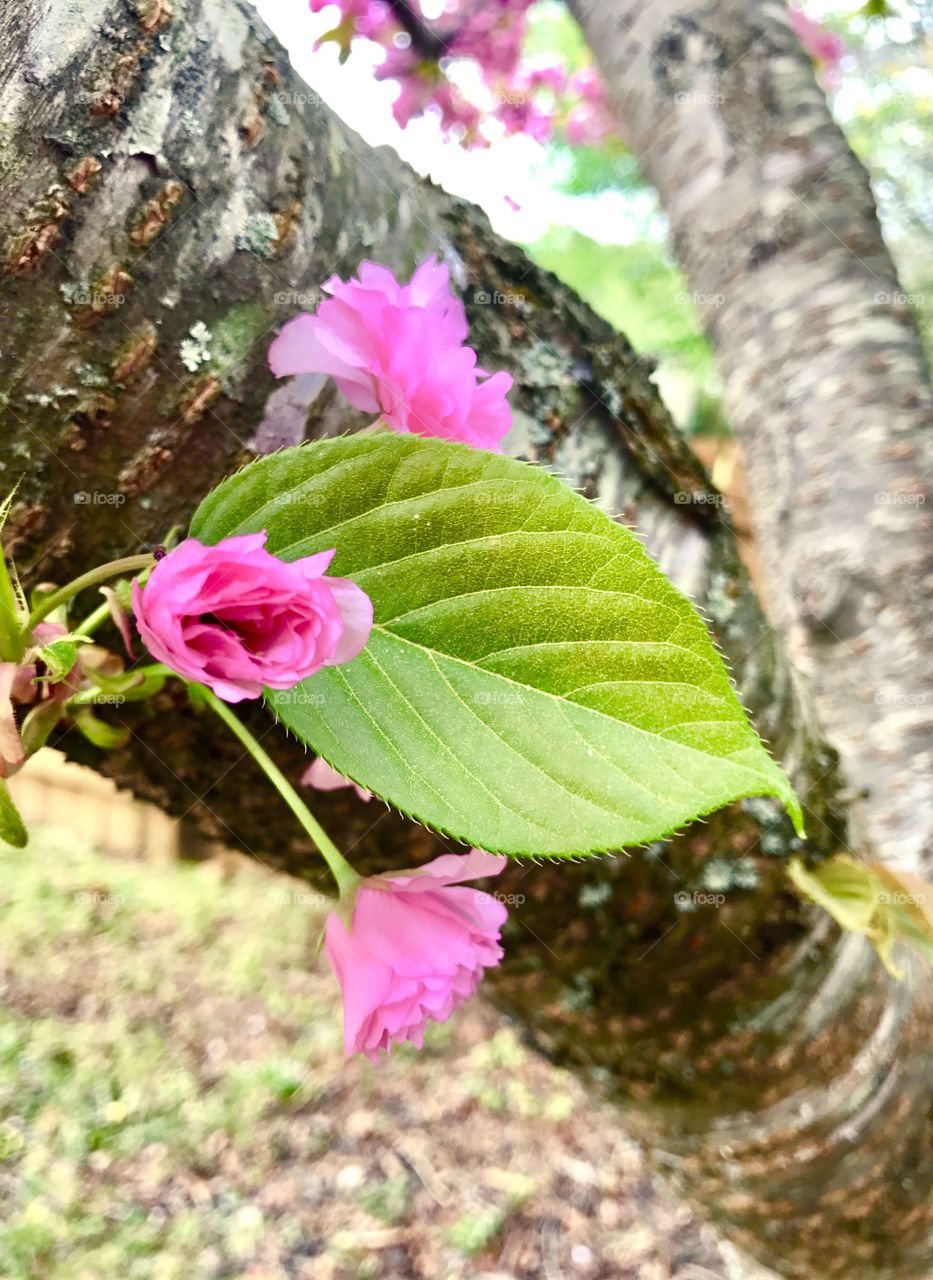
(773, 221)
(163, 170)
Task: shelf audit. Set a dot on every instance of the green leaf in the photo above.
(60, 656)
(13, 613)
(866, 897)
(12, 828)
(103, 735)
(842, 887)
(135, 685)
(38, 725)
(533, 683)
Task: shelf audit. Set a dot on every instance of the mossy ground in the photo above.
(174, 1105)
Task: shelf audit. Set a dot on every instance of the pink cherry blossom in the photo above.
(398, 350)
(238, 619)
(520, 95)
(416, 949)
(589, 122)
(820, 43)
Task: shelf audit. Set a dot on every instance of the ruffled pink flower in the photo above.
(398, 350)
(416, 951)
(238, 619)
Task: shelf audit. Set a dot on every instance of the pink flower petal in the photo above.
(399, 349)
(238, 619)
(416, 950)
(356, 609)
(324, 777)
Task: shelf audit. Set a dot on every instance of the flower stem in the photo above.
(343, 873)
(48, 604)
(94, 620)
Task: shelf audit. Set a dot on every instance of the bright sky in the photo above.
(512, 169)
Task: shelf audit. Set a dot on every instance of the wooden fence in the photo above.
(53, 793)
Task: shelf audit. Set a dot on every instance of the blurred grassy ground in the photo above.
(174, 1105)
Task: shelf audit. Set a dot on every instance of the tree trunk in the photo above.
(164, 171)
(825, 382)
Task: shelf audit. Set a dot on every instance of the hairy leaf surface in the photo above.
(533, 683)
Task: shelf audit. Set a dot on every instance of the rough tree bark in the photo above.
(164, 170)
(825, 382)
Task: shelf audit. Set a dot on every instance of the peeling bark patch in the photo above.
(28, 248)
(156, 214)
(83, 176)
(287, 223)
(153, 14)
(105, 296)
(198, 400)
(252, 126)
(24, 524)
(27, 251)
(131, 361)
(109, 96)
(143, 471)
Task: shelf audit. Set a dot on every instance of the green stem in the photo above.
(11, 641)
(101, 697)
(343, 873)
(130, 564)
(94, 620)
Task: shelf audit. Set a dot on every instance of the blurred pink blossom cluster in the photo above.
(540, 100)
(399, 351)
(823, 45)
